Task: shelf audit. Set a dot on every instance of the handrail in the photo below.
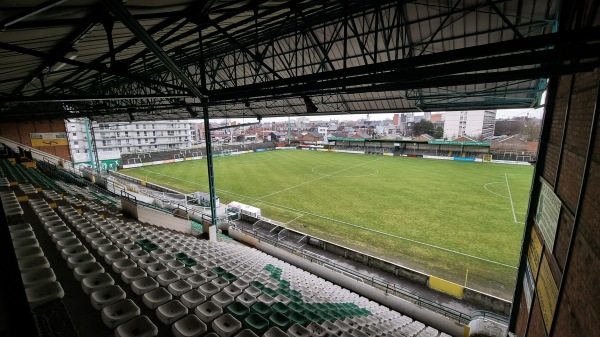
(490, 316)
(389, 287)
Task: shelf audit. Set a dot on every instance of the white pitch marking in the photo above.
(487, 189)
(512, 206)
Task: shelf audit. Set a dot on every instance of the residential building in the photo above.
(476, 124)
(112, 139)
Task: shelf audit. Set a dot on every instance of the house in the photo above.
(277, 136)
(311, 138)
(425, 137)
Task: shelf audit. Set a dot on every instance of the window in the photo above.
(74, 134)
(75, 143)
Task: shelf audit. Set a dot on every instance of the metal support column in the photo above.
(209, 165)
(90, 136)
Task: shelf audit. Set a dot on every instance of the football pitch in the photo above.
(461, 221)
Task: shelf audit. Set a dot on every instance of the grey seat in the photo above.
(38, 276)
(133, 274)
(157, 297)
(189, 326)
(222, 299)
(104, 250)
(246, 333)
(95, 282)
(167, 278)
(89, 269)
(246, 299)
(35, 262)
(80, 260)
(143, 285)
(119, 313)
(275, 332)
(138, 254)
(106, 296)
(179, 287)
(171, 311)
(226, 325)
(208, 289)
(22, 253)
(111, 258)
(184, 273)
(297, 330)
(232, 290)
(43, 293)
(192, 298)
(140, 326)
(146, 262)
(72, 251)
(122, 265)
(208, 311)
(63, 235)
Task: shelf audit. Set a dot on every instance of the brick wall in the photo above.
(578, 232)
(19, 132)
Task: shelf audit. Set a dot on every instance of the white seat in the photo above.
(111, 258)
(138, 254)
(167, 278)
(222, 299)
(38, 276)
(22, 234)
(316, 330)
(22, 253)
(208, 311)
(226, 325)
(80, 260)
(196, 280)
(246, 333)
(148, 261)
(119, 313)
(122, 265)
(106, 296)
(185, 273)
(275, 332)
(97, 243)
(35, 262)
(297, 330)
(133, 274)
(233, 291)
(331, 328)
(104, 250)
(86, 270)
(95, 282)
(157, 297)
(143, 285)
(43, 293)
(189, 326)
(62, 244)
(179, 287)
(25, 243)
(208, 289)
(171, 311)
(192, 298)
(140, 326)
(246, 299)
(156, 269)
(73, 251)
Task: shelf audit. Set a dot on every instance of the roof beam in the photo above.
(118, 10)
(87, 98)
(33, 11)
(98, 68)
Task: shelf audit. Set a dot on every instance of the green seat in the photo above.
(296, 300)
(180, 256)
(312, 317)
(326, 316)
(143, 242)
(296, 307)
(257, 285)
(280, 308)
(279, 320)
(150, 247)
(229, 277)
(238, 310)
(296, 317)
(256, 323)
(269, 267)
(261, 309)
(219, 271)
(295, 293)
(189, 262)
(284, 283)
(269, 292)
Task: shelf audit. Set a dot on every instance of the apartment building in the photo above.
(476, 124)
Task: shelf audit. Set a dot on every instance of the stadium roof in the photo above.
(167, 59)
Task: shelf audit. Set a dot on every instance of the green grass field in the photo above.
(440, 217)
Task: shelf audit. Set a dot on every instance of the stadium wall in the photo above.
(559, 272)
(20, 132)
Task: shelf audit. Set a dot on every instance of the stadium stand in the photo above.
(141, 280)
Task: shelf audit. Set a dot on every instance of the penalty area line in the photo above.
(512, 206)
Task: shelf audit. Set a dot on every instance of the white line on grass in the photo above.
(487, 189)
(319, 178)
(512, 206)
(342, 222)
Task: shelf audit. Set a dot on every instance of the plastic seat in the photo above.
(167, 278)
(106, 296)
(104, 250)
(220, 282)
(43, 293)
(297, 330)
(232, 290)
(156, 269)
(208, 289)
(89, 269)
(179, 288)
(316, 330)
(275, 332)
(140, 326)
(80, 260)
(331, 328)
(196, 280)
(253, 291)
(72, 251)
(208, 311)
(119, 313)
(100, 242)
(246, 299)
(171, 311)
(130, 248)
(143, 285)
(123, 265)
(256, 323)
(189, 326)
(95, 282)
(192, 298)
(26, 252)
(237, 310)
(133, 274)
(111, 258)
(138, 254)
(279, 320)
(246, 333)
(184, 273)
(147, 261)
(25, 243)
(35, 262)
(94, 235)
(222, 299)
(38, 276)
(266, 299)
(157, 297)
(226, 325)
